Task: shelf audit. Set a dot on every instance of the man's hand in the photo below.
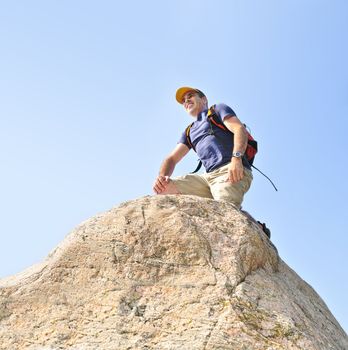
(235, 170)
(161, 184)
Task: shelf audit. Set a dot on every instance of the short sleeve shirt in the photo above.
(213, 145)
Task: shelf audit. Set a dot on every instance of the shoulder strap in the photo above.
(213, 118)
(188, 138)
(211, 111)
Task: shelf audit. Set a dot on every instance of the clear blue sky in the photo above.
(88, 113)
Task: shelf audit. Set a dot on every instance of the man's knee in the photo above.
(233, 193)
(236, 200)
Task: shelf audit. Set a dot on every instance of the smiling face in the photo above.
(193, 103)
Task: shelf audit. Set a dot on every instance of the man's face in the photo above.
(193, 104)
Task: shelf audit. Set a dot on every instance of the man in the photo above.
(228, 174)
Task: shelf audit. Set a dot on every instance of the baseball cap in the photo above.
(183, 90)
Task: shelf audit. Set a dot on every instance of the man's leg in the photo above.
(227, 191)
(193, 184)
(233, 193)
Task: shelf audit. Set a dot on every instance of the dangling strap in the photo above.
(198, 167)
(265, 176)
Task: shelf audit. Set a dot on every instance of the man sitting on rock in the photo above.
(228, 173)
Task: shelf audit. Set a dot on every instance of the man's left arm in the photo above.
(240, 142)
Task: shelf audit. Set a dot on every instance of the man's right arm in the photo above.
(168, 166)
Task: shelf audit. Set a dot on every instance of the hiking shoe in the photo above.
(265, 229)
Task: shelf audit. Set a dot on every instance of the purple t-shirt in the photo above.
(214, 150)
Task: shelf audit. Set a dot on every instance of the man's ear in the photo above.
(205, 100)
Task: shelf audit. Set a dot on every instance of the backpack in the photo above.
(250, 151)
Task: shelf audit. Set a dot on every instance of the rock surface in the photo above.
(166, 272)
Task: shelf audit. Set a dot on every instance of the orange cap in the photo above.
(183, 90)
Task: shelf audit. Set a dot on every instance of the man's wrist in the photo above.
(237, 154)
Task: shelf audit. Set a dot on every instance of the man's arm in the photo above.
(168, 166)
(240, 142)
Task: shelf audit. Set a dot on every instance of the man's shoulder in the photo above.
(221, 105)
(223, 109)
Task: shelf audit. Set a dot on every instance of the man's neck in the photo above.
(199, 115)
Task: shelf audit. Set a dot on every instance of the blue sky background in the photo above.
(88, 113)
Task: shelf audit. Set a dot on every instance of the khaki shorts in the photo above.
(213, 185)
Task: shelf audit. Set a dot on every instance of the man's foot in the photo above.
(265, 229)
(164, 185)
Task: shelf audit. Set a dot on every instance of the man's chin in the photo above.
(192, 113)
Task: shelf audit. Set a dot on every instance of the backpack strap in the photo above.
(213, 118)
(188, 138)
(198, 166)
(253, 166)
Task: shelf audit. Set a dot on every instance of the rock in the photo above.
(165, 272)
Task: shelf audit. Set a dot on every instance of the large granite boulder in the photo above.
(165, 272)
